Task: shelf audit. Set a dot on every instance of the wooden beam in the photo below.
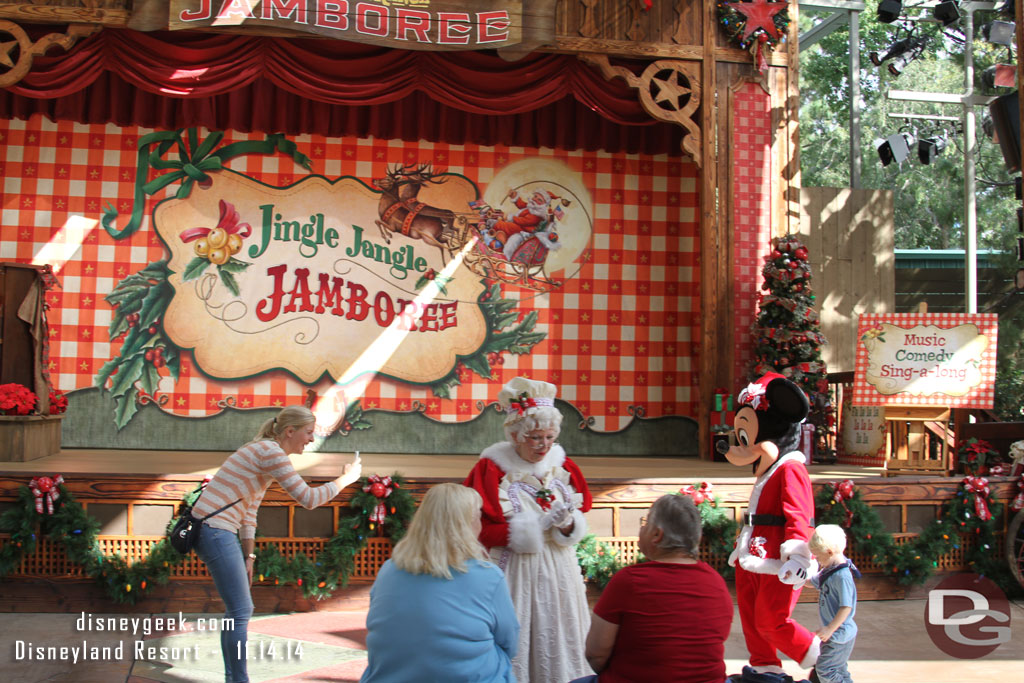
(56, 14)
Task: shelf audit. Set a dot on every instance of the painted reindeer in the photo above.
(401, 212)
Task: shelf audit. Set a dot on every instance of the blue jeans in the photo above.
(831, 664)
(222, 553)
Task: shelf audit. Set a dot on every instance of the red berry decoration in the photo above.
(430, 274)
(801, 253)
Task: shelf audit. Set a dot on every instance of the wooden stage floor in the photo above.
(417, 466)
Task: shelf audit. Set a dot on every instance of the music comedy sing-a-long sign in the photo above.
(408, 24)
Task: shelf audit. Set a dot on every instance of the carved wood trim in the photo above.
(588, 27)
(758, 77)
(27, 50)
(678, 36)
(669, 90)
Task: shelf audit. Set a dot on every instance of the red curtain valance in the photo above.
(334, 88)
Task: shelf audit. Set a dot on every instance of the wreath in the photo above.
(757, 26)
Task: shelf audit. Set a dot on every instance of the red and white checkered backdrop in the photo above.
(620, 334)
(752, 137)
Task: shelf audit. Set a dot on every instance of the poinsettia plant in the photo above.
(58, 402)
(16, 399)
(976, 455)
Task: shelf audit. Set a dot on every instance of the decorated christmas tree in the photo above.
(788, 338)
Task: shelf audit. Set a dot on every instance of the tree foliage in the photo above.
(929, 199)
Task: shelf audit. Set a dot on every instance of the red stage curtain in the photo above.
(334, 88)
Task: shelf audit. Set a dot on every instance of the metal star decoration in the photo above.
(760, 14)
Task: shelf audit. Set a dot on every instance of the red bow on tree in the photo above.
(841, 492)
(45, 488)
(979, 487)
(380, 488)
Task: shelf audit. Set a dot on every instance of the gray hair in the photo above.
(544, 417)
(679, 520)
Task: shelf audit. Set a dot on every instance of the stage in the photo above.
(413, 466)
(133, 495)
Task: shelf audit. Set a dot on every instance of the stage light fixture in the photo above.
(999, 76)
(988, 127)
(896, 148)
(999, 32)
(947, 11)
(910, 44)
(889, 11)
(929, 148)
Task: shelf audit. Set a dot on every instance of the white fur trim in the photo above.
(524, 533)
(812, 654)
(579, 530)
(759, 565)
(796, 549)
(503, 454)
(752, 563)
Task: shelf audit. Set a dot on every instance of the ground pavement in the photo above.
(331, 646)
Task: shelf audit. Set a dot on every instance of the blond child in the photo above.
(837, 603)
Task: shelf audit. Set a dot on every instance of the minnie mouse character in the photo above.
(771, 557)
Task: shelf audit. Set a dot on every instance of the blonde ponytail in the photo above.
(290, 416)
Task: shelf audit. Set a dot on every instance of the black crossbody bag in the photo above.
(185, 534)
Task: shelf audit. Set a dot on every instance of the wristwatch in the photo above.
(252, 556)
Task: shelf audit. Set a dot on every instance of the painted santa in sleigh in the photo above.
(514, 248)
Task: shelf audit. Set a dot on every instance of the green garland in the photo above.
(76, 530)
(600, 561)
(914, 561)
(126, 583)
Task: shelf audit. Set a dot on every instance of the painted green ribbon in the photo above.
(190, 167)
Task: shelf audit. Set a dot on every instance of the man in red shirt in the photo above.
(666, 619)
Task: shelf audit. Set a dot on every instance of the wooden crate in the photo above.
(27, 437)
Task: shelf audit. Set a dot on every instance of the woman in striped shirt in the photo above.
(227, 542)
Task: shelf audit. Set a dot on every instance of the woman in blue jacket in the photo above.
(439, 611)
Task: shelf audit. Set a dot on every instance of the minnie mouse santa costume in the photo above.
(771, 557)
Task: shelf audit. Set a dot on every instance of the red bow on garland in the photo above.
(841, 492)
(979, 487)
(1018, 501)
(699, 494)
(380, 487)
(46, 488)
